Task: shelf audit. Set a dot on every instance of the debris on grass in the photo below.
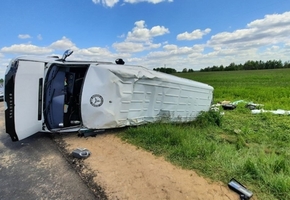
(276, 112)
(228, 105)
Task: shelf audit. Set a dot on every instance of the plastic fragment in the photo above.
(81, 153)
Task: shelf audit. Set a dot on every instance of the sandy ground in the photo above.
(126, 172)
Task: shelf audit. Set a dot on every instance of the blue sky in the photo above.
(190, 34)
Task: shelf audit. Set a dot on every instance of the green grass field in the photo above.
(254, 149)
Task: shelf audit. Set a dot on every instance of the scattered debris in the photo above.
(276, 112)
(239, 101)
(244, 193)
(224, 102)
(89, 132)
(253, 106)
(215, 108)
(226, 105)
(237, 131)
(81, 153)
(229, 106)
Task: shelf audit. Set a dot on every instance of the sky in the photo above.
(177, 34)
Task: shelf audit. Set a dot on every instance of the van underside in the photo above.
(63, 86)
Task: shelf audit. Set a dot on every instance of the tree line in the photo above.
(249, 65)
(171, 70)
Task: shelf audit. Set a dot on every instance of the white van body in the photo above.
(50, 94)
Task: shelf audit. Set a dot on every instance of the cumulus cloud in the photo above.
(133, 47)
(128, 47)
(24, 36)
(94, 52)
(112, 3)
(196, 34)
(108, 3)
(26, 49)
(98, 53)
(262, 39)
(271, 29)
(141, 38)
(141, 33)
(172, 50)
(63, 44)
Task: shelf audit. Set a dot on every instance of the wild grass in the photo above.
(254, 149)
(270, 87)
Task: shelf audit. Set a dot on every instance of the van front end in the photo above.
(23, 96)
(9, 99)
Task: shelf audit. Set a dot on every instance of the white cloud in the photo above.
(112, 3)
(108, 3)
(140, 38)
(172, 50)
(94, 52)
(128, 47)
(63, 44)
(269, 21)
(26, 49)
(272, 29)
(133, 47)
(97, 53)
(24, 36)
(196, 34)
(141, 33)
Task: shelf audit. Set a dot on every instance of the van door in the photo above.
(23, 98)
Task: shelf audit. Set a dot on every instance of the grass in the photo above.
(254, 149)
(270, 87)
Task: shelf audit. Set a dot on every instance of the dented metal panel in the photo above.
(117, 96)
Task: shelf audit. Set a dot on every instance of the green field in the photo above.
(268, 87)
(254, 149)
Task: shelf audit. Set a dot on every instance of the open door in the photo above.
(23, 98)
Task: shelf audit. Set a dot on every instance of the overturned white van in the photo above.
(56, 95)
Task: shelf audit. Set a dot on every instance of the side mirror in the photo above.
(66, 54)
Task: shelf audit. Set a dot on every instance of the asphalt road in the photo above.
(34, 168)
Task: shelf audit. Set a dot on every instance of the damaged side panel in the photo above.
(116, 97)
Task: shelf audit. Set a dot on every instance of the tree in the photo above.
(165, 70)
(184, 70)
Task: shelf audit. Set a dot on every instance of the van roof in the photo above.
(53, 59)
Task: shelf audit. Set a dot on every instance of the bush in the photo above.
(210, 118)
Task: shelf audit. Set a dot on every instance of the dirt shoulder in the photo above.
(126, 172)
